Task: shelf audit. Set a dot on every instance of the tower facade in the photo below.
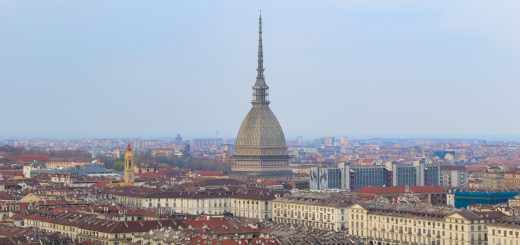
(129, 166)
(260, 147)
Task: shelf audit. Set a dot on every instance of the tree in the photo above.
(118, 165)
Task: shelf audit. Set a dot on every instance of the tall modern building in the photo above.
(260, 147)
(454, 176)
(327, 178)
(407, 174)
(368, 175)
(432, 175)
(349, 177)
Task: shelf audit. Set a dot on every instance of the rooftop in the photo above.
(401, 189)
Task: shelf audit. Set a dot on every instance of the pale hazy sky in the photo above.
(98, 68)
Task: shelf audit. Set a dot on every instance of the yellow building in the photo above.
(512, 179)
(501, 178)
(493, 178)
(129, 166)
(504, 233)
(31, 198)
(312, 210)
(381, 224)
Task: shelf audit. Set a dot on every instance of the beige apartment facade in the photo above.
(504, 233)
(501, 177)
(380, 225)
(246, 206)
(311, 212)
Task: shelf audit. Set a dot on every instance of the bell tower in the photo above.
(129, 166)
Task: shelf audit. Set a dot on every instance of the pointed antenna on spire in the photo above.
(260, 69)
(260, 89)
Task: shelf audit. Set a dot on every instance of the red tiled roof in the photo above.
(216, 182)
(229, 191)
(269, 182)
(89, 223)
(151, 175)
(453, 167)
(12, 231)
(11, 172)
(469, 215)
(201, 221)
(29, 158)
(8, 183)
(490, 214)
(508, 162)
(101, 184)
(475, 168)
(141, 212)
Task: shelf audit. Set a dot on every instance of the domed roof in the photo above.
(260, 129)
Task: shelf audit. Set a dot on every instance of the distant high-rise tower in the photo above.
(129, 166)
(343, 141)
(260, 147)
(117, 154)
(299, 140)
(178, 139)
(224, 155)
(187, 150)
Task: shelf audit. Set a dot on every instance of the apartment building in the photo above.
(390, 224)
(248, 203)
(323, 211)
(83, 227)
(349, 177)
(504, 233)
(454, 176)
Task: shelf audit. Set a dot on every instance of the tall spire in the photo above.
(260, 89)
(260, 68)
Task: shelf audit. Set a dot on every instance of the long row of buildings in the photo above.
(390, 224)
(247, 203)
(391, 215)
(79, 227)
(381, 222)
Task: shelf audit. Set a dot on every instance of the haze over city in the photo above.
(354, 68)
(354, 122)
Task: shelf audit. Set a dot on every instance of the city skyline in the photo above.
(358, 69)
(260, 122)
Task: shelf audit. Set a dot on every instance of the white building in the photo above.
(454, 176)
(323, 211)
(250, 203)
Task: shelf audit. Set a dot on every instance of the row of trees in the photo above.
(202, 164)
